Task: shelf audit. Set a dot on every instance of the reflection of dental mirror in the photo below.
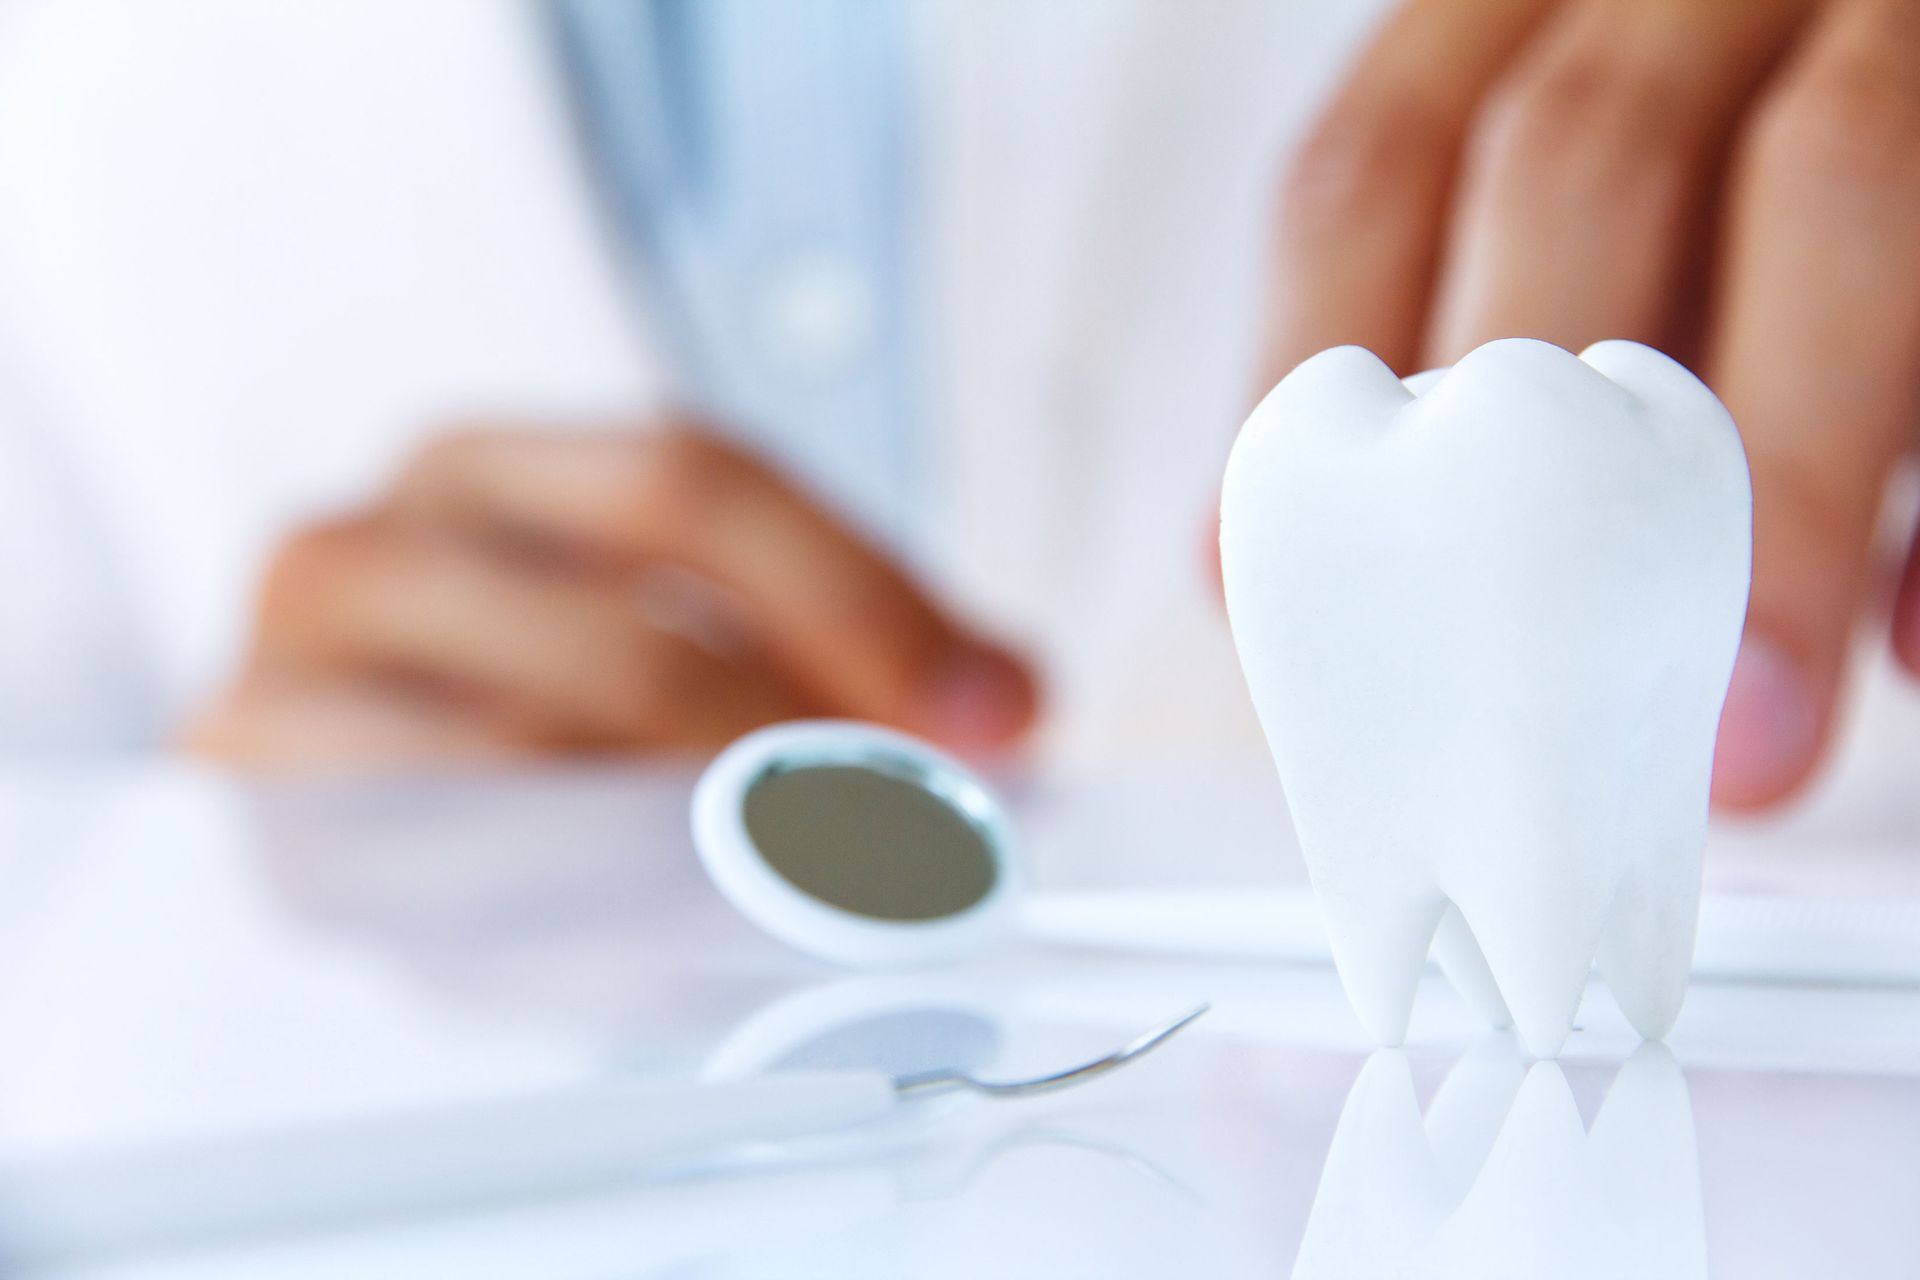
(906, 1042)
(900, 1023)
(855, 843)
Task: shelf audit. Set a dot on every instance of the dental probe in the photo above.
(454, 1157)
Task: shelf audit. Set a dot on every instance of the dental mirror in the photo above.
(855, 843)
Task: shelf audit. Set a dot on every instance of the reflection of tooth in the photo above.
(1501, 1180)
(1488, 628)
(1467, 1112)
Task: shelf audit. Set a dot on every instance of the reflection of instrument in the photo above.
(462, 1155)
(930, 1083)
(1500, 1178)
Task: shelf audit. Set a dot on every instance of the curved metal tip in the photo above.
(1144, 1043)
(1150, 1039)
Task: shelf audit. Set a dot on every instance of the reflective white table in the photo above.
(184, 960)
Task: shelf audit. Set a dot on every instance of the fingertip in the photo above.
(1906, 642)
(978, 697)
(1771, 728)
(1905, 637)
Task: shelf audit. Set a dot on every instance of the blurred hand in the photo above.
(1736, 182)
(520, 593)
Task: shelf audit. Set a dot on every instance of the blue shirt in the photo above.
(754, 155)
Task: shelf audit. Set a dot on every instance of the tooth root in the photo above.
(1458, 953)
(1538, 927)
(1647, 948)
(1379, 942)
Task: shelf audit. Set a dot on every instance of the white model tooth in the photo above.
(1539, 927)
(1488, 623)
(1458, 954)
(1379, 939)
(1647, 946)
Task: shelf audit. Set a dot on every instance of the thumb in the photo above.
(1811, 575)
(1815, 347)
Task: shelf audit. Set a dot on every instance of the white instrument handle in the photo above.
(412, 1162)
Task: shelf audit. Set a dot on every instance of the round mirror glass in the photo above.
(853, 842)
(876, 841)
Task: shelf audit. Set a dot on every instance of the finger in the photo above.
(846, 625)
(568, 659)
(1906, 610)
(1589, 166)
(287, 724)
(1365, 201)
(1816, 349)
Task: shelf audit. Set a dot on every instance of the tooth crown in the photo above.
(1488, 628)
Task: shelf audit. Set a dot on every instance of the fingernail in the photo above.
(1769, 727)
(977, 698)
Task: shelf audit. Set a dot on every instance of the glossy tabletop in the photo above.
(184, 959)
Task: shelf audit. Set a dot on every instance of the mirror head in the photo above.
(855, 843)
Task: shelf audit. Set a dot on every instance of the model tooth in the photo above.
(1379, 939)
(1458, 954)
(1647, 946)
(1539, 928)
(1488, 618)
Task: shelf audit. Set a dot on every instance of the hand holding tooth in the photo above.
(1488, 629)
(1736, 183)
